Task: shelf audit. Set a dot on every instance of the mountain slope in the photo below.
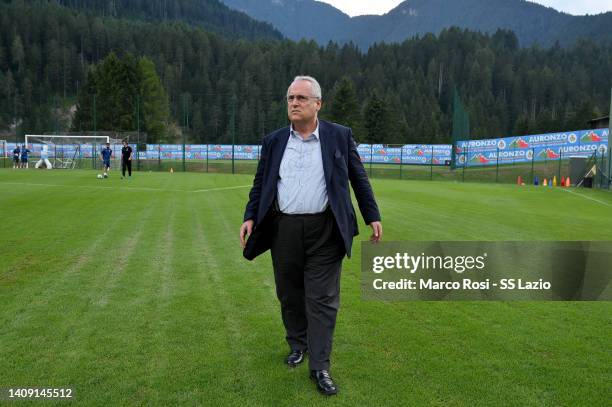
(298, 19)
(532, 23)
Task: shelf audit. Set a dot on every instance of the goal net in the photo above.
(66, 151)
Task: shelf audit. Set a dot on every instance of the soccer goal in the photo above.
(65, 151)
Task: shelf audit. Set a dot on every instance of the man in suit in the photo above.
(300, 208)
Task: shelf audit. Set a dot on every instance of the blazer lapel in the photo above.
(278, 150)
(326, 151)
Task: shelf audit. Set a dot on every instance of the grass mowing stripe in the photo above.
(187, 333)
(124, 253)
(140, 288)
(238, 356)
(114, 331)
(158, 363)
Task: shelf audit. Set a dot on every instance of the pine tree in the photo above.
(344, 106)
(154, 108)
(375, 114)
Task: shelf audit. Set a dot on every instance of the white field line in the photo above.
(125, 188)
(587, 197)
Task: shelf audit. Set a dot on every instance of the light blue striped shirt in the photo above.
(301, 186)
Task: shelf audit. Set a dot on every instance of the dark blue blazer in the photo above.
(341, 164)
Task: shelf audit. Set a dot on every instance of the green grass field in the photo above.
(136, 293)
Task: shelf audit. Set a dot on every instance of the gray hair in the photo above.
(316, 88)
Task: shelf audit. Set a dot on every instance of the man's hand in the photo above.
(376, 231)
(245, 230)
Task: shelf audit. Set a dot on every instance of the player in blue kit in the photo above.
(24, 156)
(16, 155)
(106, 155)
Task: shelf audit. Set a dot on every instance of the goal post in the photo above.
(4, 154)
(66, 151)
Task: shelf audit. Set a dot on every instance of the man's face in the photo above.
(302, 111)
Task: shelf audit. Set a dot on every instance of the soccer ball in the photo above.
(105, 175)
(99, 176)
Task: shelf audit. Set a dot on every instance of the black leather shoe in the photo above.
(295, 358)
(325, 384)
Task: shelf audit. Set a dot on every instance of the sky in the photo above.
(359, 7)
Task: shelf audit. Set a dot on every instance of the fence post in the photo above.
(465, 161)
(532, 165)
(401, 159)
(497, 166)
(184, 166)
(601, 174)
(609, 165)
(371, 157)
(560, 158)
(595, 176)
(138, 150)
(431, 164)
(233, 130)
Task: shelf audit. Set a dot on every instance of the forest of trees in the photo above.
(392, 93)
(212, 15)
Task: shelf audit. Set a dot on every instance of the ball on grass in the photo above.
(99, 176)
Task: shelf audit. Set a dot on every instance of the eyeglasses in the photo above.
(300, 98)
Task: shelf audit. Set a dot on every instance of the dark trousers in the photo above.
(307, 253)
(128, 164)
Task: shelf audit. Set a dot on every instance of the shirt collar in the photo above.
(315, 133)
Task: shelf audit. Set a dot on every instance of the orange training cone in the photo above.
(568, 183)
(519, 180)
(545, 183)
